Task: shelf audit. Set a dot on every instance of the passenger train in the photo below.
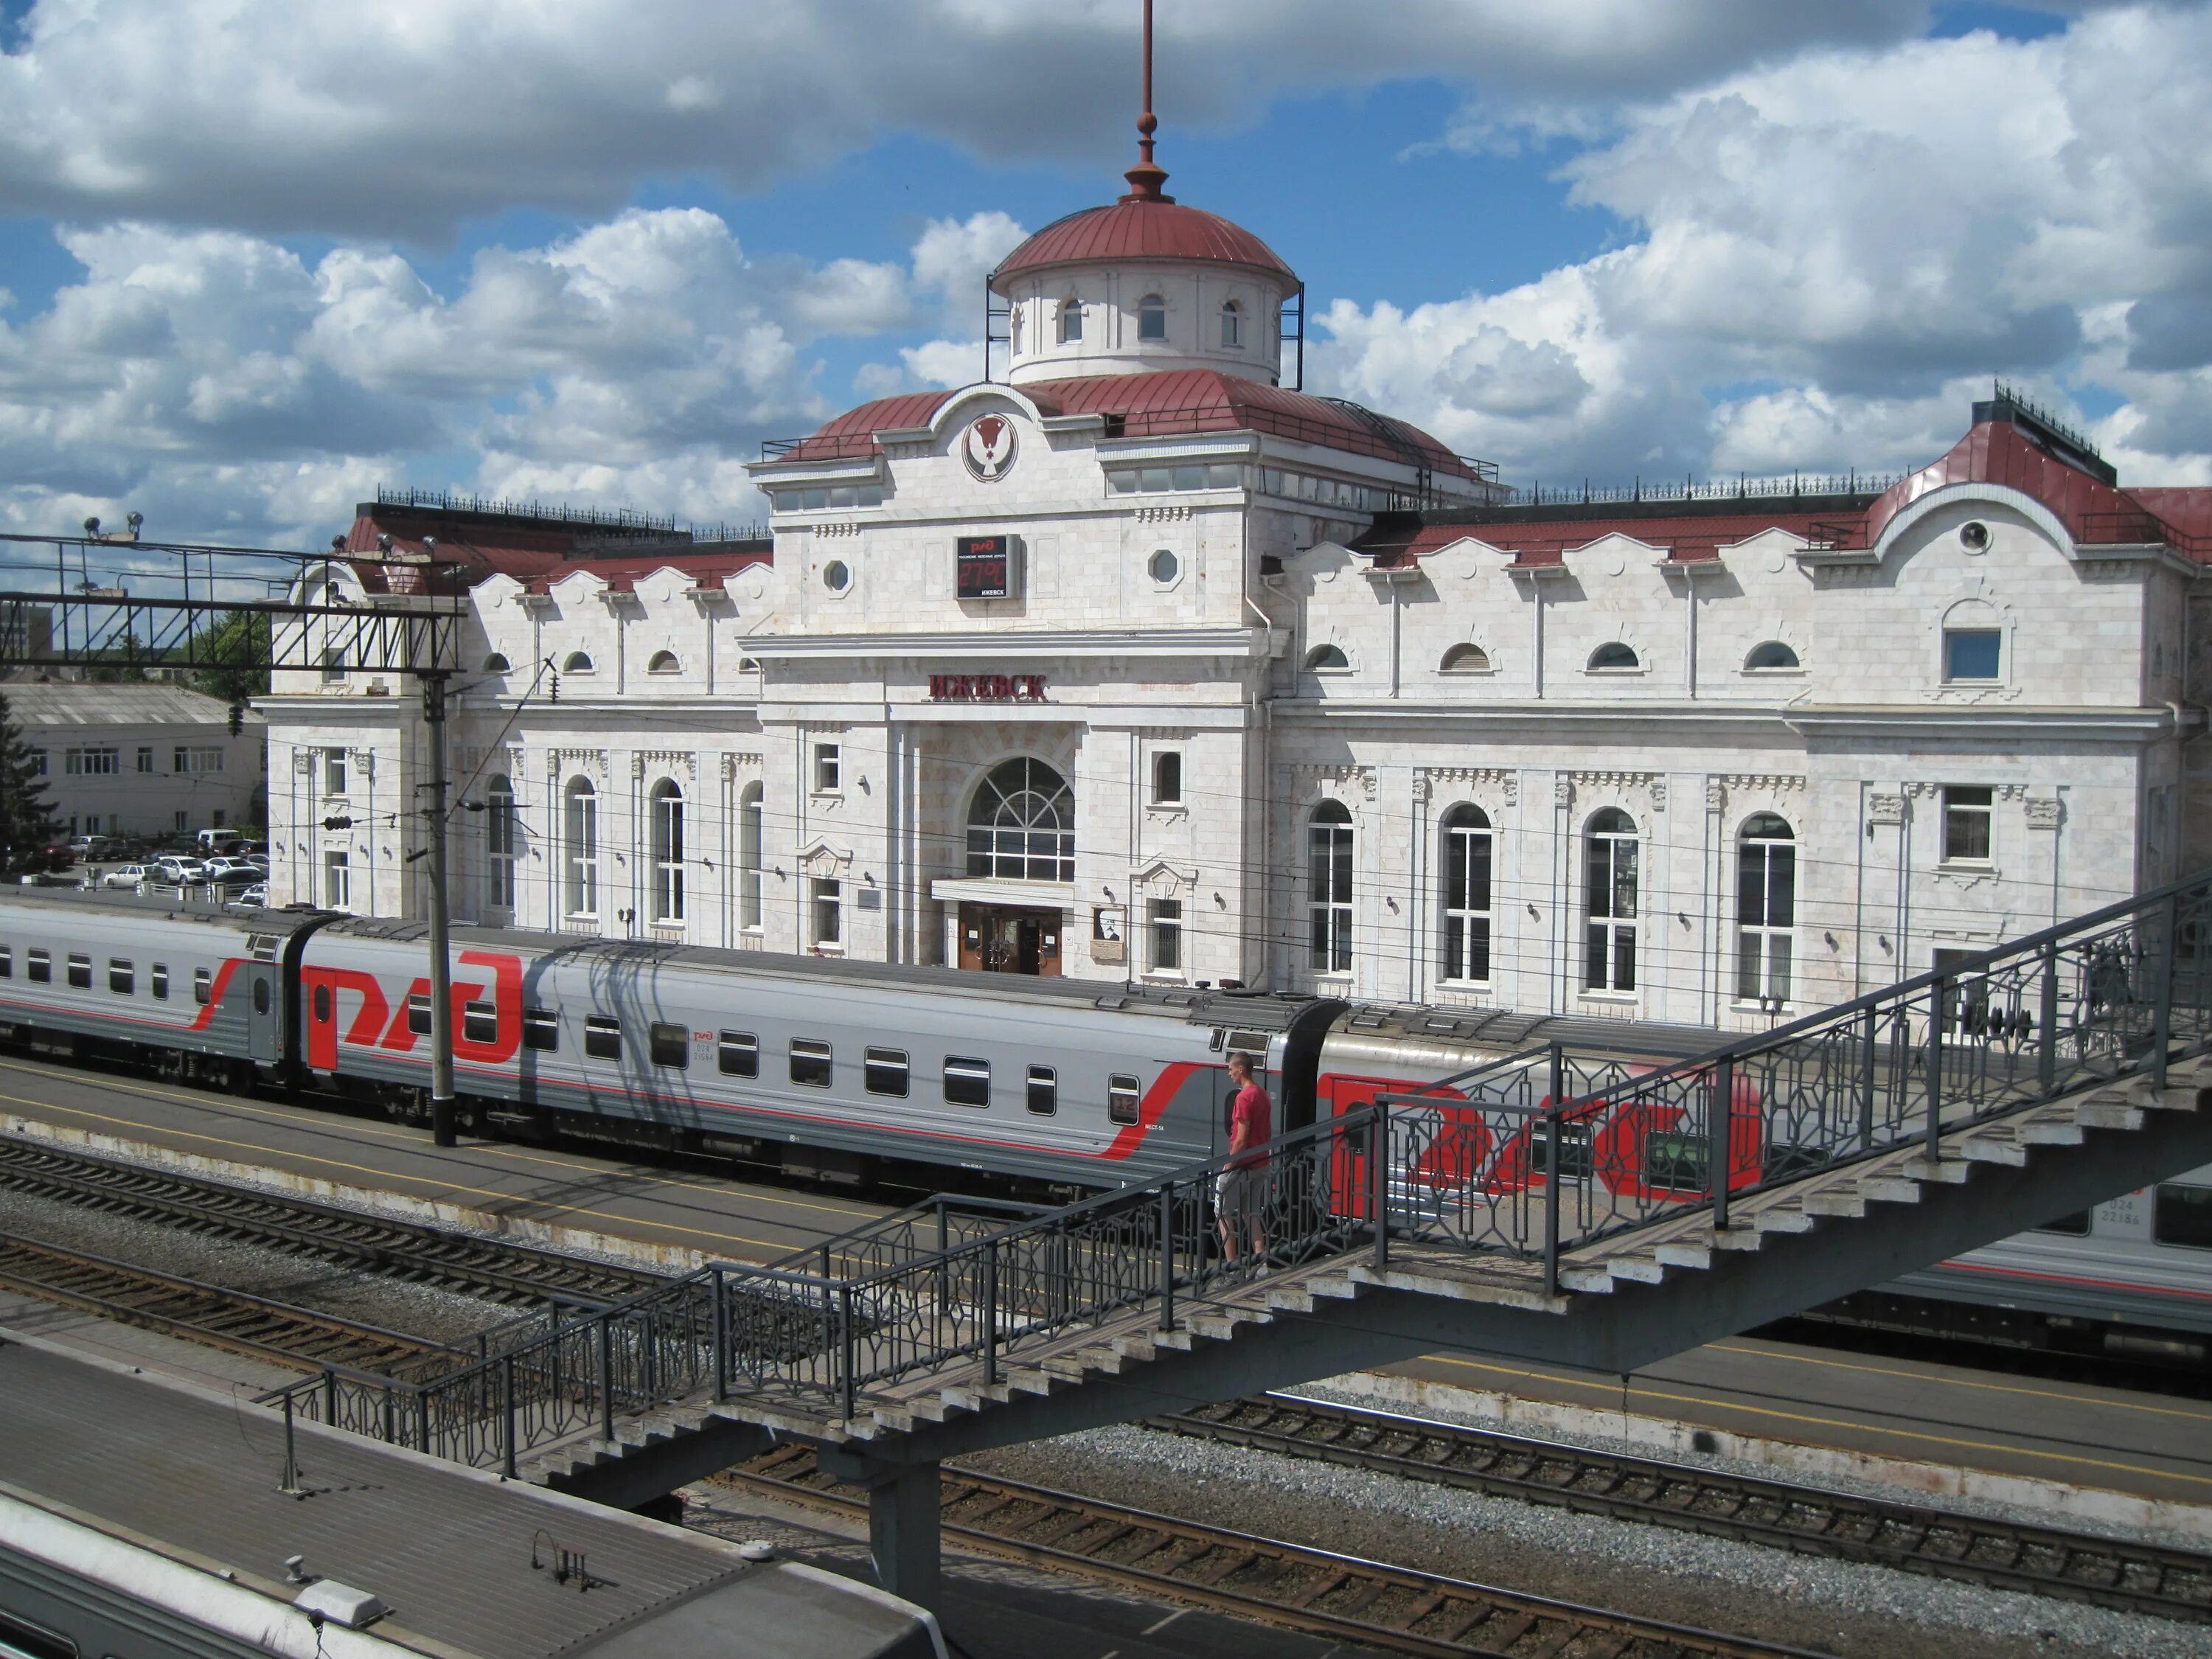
(835, 1070)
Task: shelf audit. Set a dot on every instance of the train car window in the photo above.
(6, 963)
(1673, 1159)
(671, 1044)
(810, 1062)
(39, 966)
(261, 996)
(740, 1054)
(158, 982)
(202, 986)
(120, 976)
(1123, 1094)
(80, 970)
(2182, 1215)
(418, 1012)
(967, 1082)
(602, 1037)
(1574, 1151)
(18, 1636)
(479, 1022)
(886, 1071)
(541, 1030)
(323, 1004)
(2075, 1226)
(1044, 1091)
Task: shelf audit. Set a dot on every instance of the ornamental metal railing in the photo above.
(1524, 1160)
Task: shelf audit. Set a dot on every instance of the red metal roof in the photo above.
(1142, 230)
(1694, 538)
(1168, 402)
(472, 548)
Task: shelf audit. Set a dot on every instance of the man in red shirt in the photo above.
(1240, 1192)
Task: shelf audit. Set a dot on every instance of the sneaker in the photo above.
(1261, 1271)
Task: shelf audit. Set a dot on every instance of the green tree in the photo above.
(234, 655)
(26, 817)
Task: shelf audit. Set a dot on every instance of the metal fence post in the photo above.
(1868, 1051)
(1551, 1121)
(990, 1312)
(845, 1353)
(1720, 1114)
(1939, 1008)
(422, 1419)
(1378, 1179)
(606, 1380)
(506, 1393)
(721, 1337)
(331, 1398)
(2161, 1034)
(391, 1429)
(290, 1484)
(1167, 1256)
(2046, 1061)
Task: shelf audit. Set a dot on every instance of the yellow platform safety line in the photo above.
(1949, 1442)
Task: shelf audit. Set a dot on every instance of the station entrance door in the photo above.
(1010, 939)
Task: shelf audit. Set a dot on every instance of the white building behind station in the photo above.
(1133, 663)
(140, 760)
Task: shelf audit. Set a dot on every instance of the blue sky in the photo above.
(259, 258)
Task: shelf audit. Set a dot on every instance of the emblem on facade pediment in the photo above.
(823, 861)
(986, 445)
(2044, 811)
(1885, 809)
(1311, 777)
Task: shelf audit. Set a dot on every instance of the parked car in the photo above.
(223, 869)
(131, 876)
(57, 855)
(88, 849)
(254, 897)
(178, 871)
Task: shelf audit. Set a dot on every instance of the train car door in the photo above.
(265, 1013)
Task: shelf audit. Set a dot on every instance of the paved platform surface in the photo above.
(2149, 1446)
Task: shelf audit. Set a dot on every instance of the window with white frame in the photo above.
(1972, 653)
(1467, 866)
(580, 838)
(1232, 326)
(1151, 318)
(826, 770)
(146, 756)
(1609, 862)
(1614, 657)
(1766, 908)
(1328, 888)
(1165, 921)
(666, 810)
(664, 662)
(337, 879)
(1967, 811)
(195, 758)
(828, 907)
(1071, 322)
(1167, 778)
(751, 821)
(334, 771)
(500, 839)
(334, 664)
(92, 762)
(1021, 825)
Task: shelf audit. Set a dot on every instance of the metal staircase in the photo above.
(1543, 1207)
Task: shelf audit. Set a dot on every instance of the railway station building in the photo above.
(1133, 662)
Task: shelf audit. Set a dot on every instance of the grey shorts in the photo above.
(1237, 1194)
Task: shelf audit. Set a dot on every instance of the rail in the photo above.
(1531, 1158)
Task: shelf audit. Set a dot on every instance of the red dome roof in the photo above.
(1142, 230)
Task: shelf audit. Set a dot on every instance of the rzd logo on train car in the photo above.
(356, 1000)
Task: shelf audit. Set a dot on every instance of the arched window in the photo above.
(1167, 778)
(752, 820)
(1324, 658)
(579, 836)
(1151, 318)
(1467, 894)
(577, 662)
(1328, 888)
(496, 663)
(1772, 654)
(1609, 851)
(1021, 825)
(1766, 907)
(1070, 321)
(1465, 659)
(664, 662)
(500, 838)
(667, 810)
(1232, 326)
(1615, 655)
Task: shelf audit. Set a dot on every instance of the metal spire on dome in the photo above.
(1147, 176)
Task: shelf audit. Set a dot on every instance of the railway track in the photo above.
(1397, 1609)
(496, 1270)
(257, 1327)
(2109, 1572)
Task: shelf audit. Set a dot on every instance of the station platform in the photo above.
(1943, 1430)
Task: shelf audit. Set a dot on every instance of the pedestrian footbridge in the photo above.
(1547, 1207)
